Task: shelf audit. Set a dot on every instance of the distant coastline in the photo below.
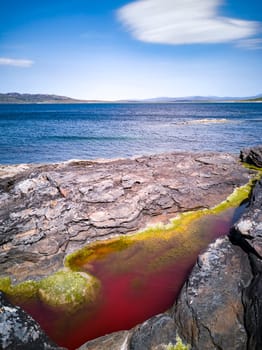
(18, 98)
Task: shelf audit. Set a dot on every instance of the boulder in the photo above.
(247, 233)
(209, 313)
(252, 156)
(19, 331)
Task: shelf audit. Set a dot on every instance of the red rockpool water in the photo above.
(137, 282)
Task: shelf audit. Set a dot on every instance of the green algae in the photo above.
(95, 251)
(68, 290)
(178, 346)
(64, 289)
(22, 291)
(252, 167)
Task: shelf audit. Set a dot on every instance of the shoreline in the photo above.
(49, 211)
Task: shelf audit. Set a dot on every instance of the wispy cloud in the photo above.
(5, 61)
(183, 22)
(250, 44)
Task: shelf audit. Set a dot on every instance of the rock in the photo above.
(68, 290)
(252, 156)
(155, 334)
(220, 306)
(48, 211)
(209, 313)
(117, 340)
(19, 331)
(247, 233)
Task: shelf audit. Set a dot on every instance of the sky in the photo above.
(140, 49)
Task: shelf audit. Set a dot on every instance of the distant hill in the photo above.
(257, 99)
(15, 97)
(202, 99)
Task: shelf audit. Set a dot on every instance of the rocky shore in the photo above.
(49, 211)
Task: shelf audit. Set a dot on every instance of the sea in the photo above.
(40, 133)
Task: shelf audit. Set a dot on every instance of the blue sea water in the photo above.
(54, 133)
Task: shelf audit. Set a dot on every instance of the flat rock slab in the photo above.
(48, 211)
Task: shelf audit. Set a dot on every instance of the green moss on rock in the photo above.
(68, 290)
(21, 291)
(5, 283)
(178, 346)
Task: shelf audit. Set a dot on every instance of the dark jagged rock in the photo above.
(249, 228)
(209, 313)
(18, 331)
(252, 156)
(154, 333)
(49, 211)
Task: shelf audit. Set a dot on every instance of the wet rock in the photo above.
(252, 156)
(19, 331)
(48, 211)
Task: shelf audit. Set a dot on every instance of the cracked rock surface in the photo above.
(48, 211)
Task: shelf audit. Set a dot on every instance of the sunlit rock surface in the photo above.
(48, 211)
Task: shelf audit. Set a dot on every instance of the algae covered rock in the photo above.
(68, 290)
(22, 291)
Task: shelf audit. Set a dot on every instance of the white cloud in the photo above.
(183, 22)
(5, 61)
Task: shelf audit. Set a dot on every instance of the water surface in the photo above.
(53, 133)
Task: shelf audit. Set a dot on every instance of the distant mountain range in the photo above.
(15, 97)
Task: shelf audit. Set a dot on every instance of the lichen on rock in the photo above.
(22, 291)
(64, 289)
(178, 346)
(68, 290)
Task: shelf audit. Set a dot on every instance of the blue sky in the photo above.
(131, 49)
